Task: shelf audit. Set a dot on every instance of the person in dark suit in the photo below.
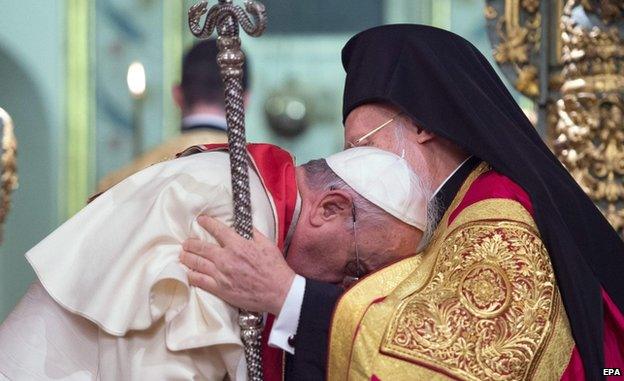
(199, 96)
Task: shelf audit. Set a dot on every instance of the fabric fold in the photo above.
(116, 262)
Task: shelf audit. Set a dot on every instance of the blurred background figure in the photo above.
(199, 96)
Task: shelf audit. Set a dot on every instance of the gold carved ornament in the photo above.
(516, 35)
(487, 311)
(8, 166)
(584, 105)
(608, 10)
(589, 130)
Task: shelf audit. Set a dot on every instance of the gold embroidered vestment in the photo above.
(480, 303)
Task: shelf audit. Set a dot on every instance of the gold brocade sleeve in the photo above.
(482, 305)
(356, 301)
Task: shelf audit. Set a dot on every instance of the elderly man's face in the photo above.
(324, 243)
(365, 119)
(379, 246)
(398, 134)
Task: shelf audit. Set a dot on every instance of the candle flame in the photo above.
(136, 79)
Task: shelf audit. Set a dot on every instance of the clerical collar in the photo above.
(446, 192)
(198, 120)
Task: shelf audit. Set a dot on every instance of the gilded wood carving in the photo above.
(582, 64)
(8, 166)
(515, 30)
(589, 129)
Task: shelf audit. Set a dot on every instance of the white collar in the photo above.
(205, 119)
(449, 176)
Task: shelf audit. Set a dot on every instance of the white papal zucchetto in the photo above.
(384, 179)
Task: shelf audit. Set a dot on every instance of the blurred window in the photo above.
(322, 16)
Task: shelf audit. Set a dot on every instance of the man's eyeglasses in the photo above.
(375, 130)
(353, 270)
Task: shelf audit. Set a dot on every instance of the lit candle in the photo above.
(137, 86)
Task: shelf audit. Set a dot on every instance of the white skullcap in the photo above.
(384, 179)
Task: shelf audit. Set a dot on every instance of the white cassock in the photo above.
(112, 301)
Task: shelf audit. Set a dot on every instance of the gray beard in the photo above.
(434, 214)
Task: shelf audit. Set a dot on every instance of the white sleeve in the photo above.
(39, 340)
(285, 326)
(117, 261)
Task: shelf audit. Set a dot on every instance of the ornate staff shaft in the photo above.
(226, 17)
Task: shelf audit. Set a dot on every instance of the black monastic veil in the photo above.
(448, 87)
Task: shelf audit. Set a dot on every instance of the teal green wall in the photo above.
(313, 63)
(127, 31)
(31, 90)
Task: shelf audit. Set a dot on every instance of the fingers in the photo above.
(198, 264)
(226, 235)
(202, 272)
(203, 281)
(199, 247)
(220, 231)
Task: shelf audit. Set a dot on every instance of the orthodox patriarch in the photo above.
(522, 278)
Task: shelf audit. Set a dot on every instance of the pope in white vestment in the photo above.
(112, 301)
(116, 264)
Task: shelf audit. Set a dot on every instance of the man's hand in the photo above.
(249, 274)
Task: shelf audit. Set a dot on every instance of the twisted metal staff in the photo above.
(225, 17)
(8, 166)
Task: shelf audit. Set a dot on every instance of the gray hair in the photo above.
(320, 177)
